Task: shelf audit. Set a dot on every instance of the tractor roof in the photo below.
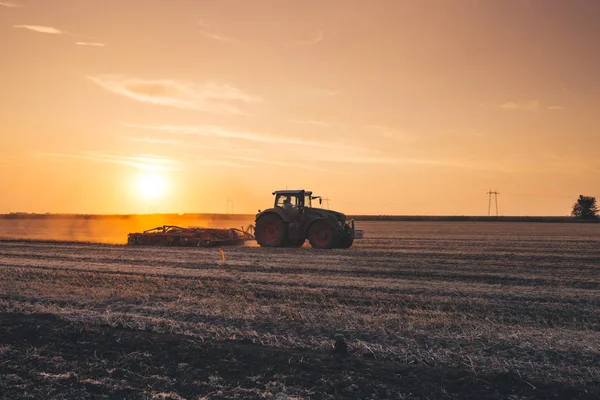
(292, 192)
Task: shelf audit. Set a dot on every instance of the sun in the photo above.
(151, 186)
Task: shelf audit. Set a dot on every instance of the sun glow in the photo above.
(151, 186)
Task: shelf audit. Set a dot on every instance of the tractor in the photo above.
(293, 219)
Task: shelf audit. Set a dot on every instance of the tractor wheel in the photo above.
(347, 240)
(270, 231)
(322, 235)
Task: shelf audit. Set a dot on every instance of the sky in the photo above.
(384, 107)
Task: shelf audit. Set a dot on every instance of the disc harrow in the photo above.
(171, 235)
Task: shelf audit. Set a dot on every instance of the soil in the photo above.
(75, 361)
(418, 310)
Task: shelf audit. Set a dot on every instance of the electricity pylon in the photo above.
(229, 207)
(490, 193)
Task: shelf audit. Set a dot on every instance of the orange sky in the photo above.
(385, 107)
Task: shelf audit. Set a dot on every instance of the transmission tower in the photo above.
(229, 207)
(326, 200)
(490, 193)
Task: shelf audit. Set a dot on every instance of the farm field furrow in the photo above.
(387, 264)
(428, 310)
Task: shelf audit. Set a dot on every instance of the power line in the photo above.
(539, 195)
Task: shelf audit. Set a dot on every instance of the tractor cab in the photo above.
(294, 199)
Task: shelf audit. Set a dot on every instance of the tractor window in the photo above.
(287, 201)
(307, 201)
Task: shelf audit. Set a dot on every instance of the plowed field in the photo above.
(428, 311)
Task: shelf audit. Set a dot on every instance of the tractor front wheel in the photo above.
(270, 231)
(322, 235)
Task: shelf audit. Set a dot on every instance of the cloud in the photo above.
(8, 4)
(219, 163)
(387, 132)
(341, 158)
(215, 36)
(322, 124)
(40, 28)
(526, 105)
(217, 144)
(281, 163)
(153, 140)
(213, 97)
(146, 162)
(212, 130)
(93, 44)
(326, 92)
(207, 30)
(317, 38)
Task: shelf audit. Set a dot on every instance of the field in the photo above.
(429, 310)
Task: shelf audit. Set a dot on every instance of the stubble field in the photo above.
(429, 310)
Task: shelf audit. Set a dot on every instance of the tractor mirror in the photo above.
(320, 201)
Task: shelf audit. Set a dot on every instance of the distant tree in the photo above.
(585, 207)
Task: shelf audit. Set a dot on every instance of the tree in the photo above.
(585, 207)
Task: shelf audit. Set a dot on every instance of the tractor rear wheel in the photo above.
(270, 231)
(322, 235)
(346, 240)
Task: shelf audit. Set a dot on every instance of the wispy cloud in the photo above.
(322, 124)
(214, 97)
(8, 4)
(216, 144)
(93, 44)
(281, 163)
(341, 158)
(7, 161)
(208, 30)
(556, 108)
(326, 92)
(317, 38)
(153, 140)
(40, 29)
(216, 36)
(146, 162)
(387, 132)
(219, 163)
(526, 105)
(218, 131)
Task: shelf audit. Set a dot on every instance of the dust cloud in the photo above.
(108, 229)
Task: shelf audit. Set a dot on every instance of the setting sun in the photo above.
(150, 186)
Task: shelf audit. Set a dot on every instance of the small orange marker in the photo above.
(222, 254)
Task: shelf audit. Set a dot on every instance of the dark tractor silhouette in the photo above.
(292, 220)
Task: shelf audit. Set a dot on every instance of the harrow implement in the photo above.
(171, 235)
